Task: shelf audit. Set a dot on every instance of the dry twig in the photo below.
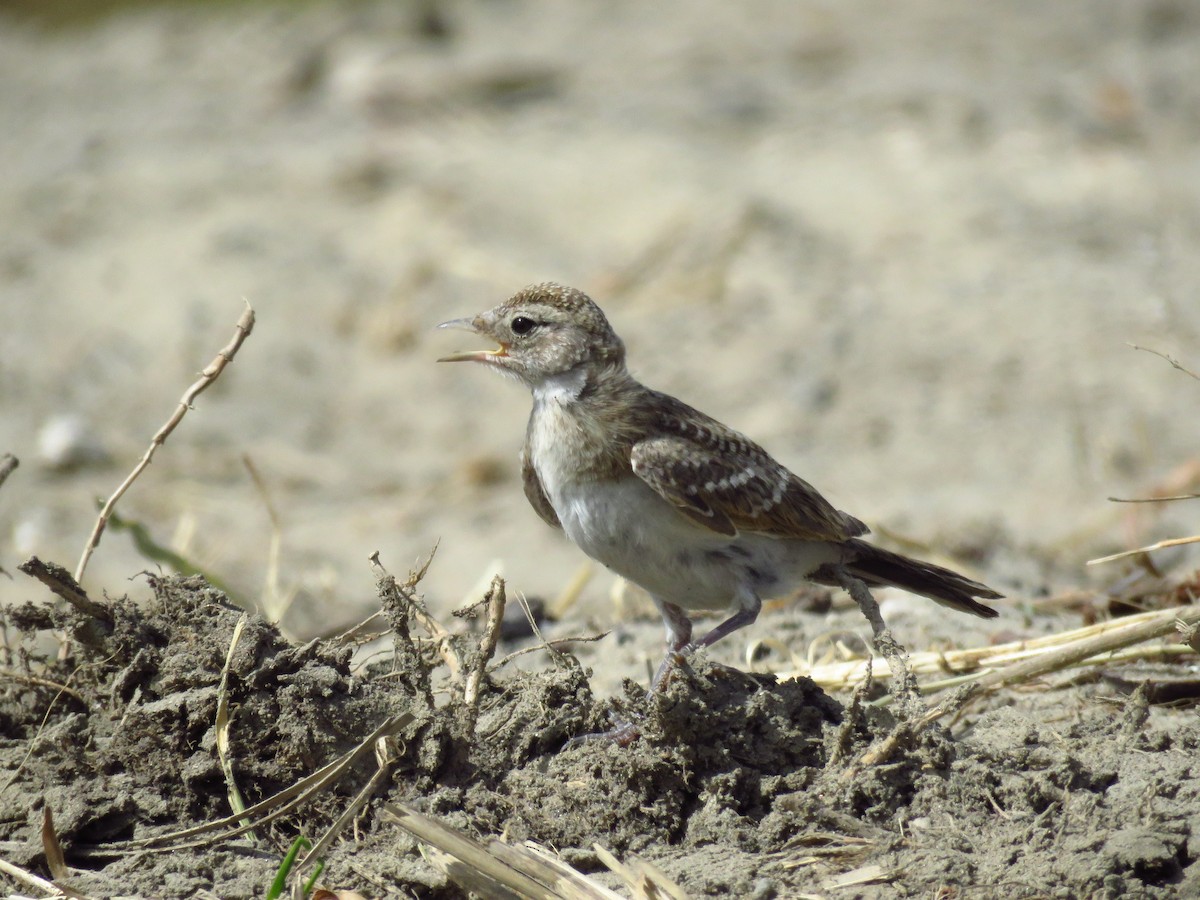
(499, 869)
(35, 681)
(275, 603)
(1174, 362)
(8, 463)
(208, 375)
(552, 646)
(407, 592)
(887, 645)
(385, 760)
(495, 600)
(28, 878)
(1161, 545)
(98, 621)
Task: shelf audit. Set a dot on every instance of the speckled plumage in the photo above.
(698, 514)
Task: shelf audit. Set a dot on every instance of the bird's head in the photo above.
(544, 332)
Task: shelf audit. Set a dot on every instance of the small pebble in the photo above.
(67, 441)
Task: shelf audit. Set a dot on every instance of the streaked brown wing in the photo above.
(730, 484)
(535, 494)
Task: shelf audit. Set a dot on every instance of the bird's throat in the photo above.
(566, 387)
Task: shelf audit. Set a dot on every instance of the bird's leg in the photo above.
(679, 634)
(749, 606)
(679, 643)
(897, 657)
(679, 638)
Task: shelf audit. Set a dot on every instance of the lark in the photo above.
(700, 516)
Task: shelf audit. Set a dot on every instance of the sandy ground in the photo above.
(904, 247)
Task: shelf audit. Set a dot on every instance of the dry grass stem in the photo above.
(49, 888)
(571, 591)
(1105, 642)
(362, 633)
(495, 600)
(482, 585)
(33, 743)
(1174, 362)
(52, 848)
(260, 813)
(868, 874)
(537, 632)
(465, 860)
(443, 639)
(498, 869)
(823, 847)
(1161, 545)
(645, 879)
(275, 603)
(1072, 652)
(552, 646)
(384, 760)
(35, 681)
(236, 802)
(1154, 499)
(208, 375)
(8, 464)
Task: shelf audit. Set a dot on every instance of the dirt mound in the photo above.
(739, 784)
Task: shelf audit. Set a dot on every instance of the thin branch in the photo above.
(897, 657)
(487, 644)
(35, 681)
(1161, 545)
(8, 463)
(443, 638)
(1174, 362)
(29, 879)
(1154, 499)
(208, 375)
(552, 646)
(96, 622)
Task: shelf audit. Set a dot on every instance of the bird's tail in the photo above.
(879, 567)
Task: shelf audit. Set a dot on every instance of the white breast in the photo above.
(629, 528)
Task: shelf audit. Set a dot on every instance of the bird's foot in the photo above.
(674, 659)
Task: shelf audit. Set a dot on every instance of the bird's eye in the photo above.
(523, 325)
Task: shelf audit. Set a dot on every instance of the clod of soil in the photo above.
(739, 785)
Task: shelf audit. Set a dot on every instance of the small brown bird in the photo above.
(694, 512)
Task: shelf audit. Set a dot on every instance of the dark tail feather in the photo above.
(882, 567)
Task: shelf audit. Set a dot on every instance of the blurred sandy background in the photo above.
(903, 245)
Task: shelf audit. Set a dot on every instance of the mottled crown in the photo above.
(572, 306)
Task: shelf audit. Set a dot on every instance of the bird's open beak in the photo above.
(471, 324)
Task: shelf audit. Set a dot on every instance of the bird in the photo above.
(694, 512)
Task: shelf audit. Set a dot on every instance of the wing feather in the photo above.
(535, 493)
(729, 484)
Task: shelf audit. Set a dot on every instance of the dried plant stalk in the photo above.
(208, 375)
(1096, 644)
